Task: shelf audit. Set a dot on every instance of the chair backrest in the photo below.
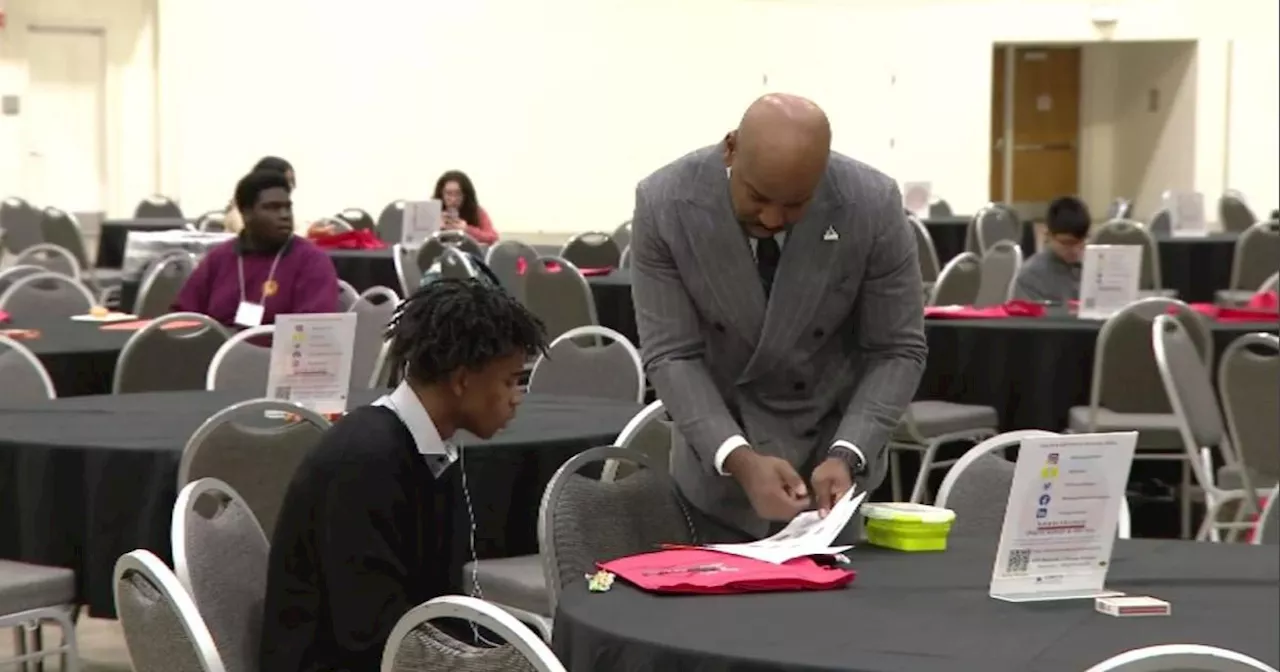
(995, 223)
(1256, 256)
(416, 644)
(407, 271)
(1233, 213)
(1125, 232)
(383, 369)
(940, 209)
(510, 260)
(1271, 284)
(561, 298)
(439, 241)
(1247, 376)
(1267, 531)
(254, 454)
(19, 225)
(357, 219)
(52, 258)
(622, 235)
(390, 226)
(649, 432)
(162, 627)
(998, 270)
(46, 295)
(239, 364)
(1120, 208)
(335, 224)
(1161, 223)
(977, 485)
(61, 228)
(583, 521)
(930, 267)
(14, 273)
(347, 296)
(571, 368)
(453, 263)
(157, 206)
(373, 310)
(25, 378)
(162, 283)
(1125, 378)
(220, 557)
(593, 249)
(1181, 658)
(161, 357)
(625, 260)
(214, 221)
(959, 281)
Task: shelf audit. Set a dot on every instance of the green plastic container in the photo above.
(907, 527)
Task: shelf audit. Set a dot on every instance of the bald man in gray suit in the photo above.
(779, 304)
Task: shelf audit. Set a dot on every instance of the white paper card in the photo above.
(916, 197)
(1060, 521)
(421, 221)
(1109, 279)
(311, 360)
(1186, 214)
(806, 534)
(249, 314)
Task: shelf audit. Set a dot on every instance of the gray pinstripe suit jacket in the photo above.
(835, 353)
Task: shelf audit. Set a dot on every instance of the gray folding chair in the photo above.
(1257, 254)
(559, 296)
(162, 358)
(390, 226)
(453, 263)
(240, 365)
(374, 309)
(25, 378)
(1189, 387)
(593, 249)
(940, 209)
(926, 427)
(648, 433)
(19, 225)
(415, 644)
(1181, 658)
(220, 557)
(162, 627)
(46, 295)
(959, 282)
(347, 296)
(255, 454)
(1234, 214)
(622, 235)
(157, 206)
(61, 228)
(14, 273)
(1267, 530)
(927, 254)
(335, 224)
(30, 596)
(977, 485)
(357, 219)
(407, 271)
(994, 223)
(1247, 376)
(1161, 223)
(440, 241)
(50, 257)
(1126, 392)
(505, 258)
(1124, 232)
(162, 283)
(1120, 208)
(572, 368)
(998, 271)
(214, 221)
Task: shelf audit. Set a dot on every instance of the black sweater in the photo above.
(361, 539)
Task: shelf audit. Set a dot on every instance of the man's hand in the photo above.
(831, 480)
(773, 487)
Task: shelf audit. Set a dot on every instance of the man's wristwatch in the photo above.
(856, 465)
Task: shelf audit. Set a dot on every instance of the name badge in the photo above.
(249, 314)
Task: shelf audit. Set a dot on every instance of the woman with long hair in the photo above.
(462, 211)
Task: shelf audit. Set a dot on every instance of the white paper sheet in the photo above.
(806, 534)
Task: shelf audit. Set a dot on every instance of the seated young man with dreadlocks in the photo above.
(363, 533)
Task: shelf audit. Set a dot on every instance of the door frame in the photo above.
(105, 178)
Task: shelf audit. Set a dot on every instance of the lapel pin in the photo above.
(830, 235)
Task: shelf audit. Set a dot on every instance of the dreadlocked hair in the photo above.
(453, 323)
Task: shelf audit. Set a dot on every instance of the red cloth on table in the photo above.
(362, 239)
(703, 571)
(1253, 518)
(1264, 301)
(1014, 308)
(1222, 314)
(555, 268)
(4, 317)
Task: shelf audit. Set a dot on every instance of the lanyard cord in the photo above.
(271, 274)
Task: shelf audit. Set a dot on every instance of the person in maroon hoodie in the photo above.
(266, 270)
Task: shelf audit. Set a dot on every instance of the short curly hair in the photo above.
(456, 323)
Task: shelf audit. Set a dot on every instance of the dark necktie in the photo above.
(768, 252)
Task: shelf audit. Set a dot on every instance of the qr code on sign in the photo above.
(1019, 559)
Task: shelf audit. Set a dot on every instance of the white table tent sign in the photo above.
(311, 358)
(1186, 214)
(1060, 520)
(422, 219)
(1109, 279)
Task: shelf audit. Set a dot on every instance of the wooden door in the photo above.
(1046, 124)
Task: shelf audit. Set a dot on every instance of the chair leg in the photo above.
(922, 476)
(20, 643)
(1185, 497)
(895, 474)
(70, 658)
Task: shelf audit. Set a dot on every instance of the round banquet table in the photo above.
(86, 479)
(79, 356)
(614, 309)
(363, 269)
(948, 235)
(1197, 267)
(925, 612)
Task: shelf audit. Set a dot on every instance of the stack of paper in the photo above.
(807, 534)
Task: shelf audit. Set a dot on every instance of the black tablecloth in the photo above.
(85, 480)
(363, 269)
(115, 233)
(614, 309)
(921, 612)
(1197, 267)
(80, 356)
(948, 235)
